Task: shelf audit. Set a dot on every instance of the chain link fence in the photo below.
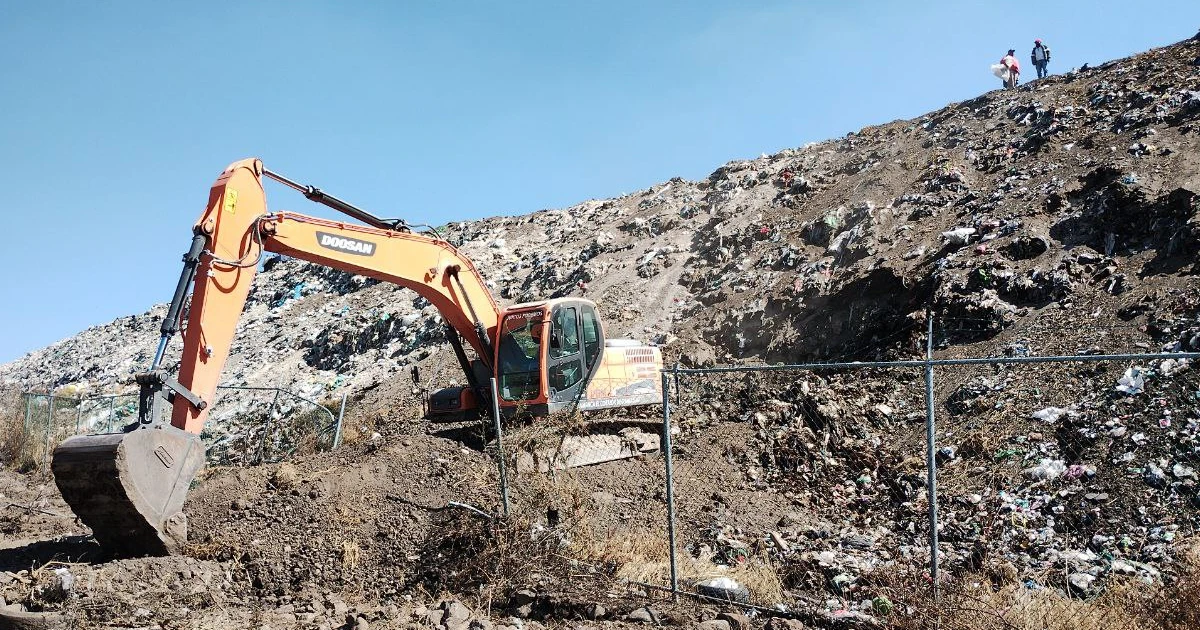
(1008, 492)
(246, 425)
(997, 492)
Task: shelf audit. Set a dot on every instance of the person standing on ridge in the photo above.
(1040, 56)
(1010, 63)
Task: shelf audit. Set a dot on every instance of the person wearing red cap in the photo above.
(1040, 57)
(1010, 62)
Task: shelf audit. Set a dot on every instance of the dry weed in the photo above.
(545, 434)
(350, 555)
(16, 449)
(977, 604)
(643, 557)
(286, 476)
(636, 556)
(204, 550)
(1178, 606)
(360, 429)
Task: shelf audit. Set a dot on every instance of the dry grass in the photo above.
(545, 435)
(643, 557)
(361, 427)
(636, 556)
(1124, 604)
(350, 555)
(286, 476)
(16, 449)
(1018, 607)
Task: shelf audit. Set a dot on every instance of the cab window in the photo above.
(520, 356)
(591, 336)
(564, 336)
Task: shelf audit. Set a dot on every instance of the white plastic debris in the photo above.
(958, 236)
(66, 581)
(1172, 366)
(1049, 415)
(1133, 382)
(723, 582)
(724, 588)
(1183, 472)
(1047, 469)
(59, 587)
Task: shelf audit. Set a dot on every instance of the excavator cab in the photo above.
(546, 354)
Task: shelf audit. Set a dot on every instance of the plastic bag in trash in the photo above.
(1049, 414)
(1047, 469)
(1132, 382)
(724, 588)
(958, 236)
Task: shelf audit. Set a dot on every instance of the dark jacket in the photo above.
(1033, 53)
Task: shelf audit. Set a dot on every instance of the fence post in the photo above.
(109, 423)
(262, 443)
(78, 413)
(499, 446)
(337, 431)
(49, 423)
(678, 393)
(28, 410)
(666, 447)
(931, 457)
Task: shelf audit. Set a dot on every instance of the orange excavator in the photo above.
(547, 356)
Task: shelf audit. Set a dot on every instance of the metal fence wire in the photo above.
(997, 492)
(247, 425)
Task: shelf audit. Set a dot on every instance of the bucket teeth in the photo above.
(129, 488)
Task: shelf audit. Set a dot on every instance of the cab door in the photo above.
(565, 370)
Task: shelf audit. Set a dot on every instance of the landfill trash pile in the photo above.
(1057, 218)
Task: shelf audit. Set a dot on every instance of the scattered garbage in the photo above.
(1183, 472)
(1081, 583)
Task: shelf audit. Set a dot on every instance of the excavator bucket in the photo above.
(129, 488)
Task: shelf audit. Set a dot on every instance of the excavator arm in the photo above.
(130, 487)
(239, 229)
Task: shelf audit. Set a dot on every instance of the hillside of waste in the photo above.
(1058, 218)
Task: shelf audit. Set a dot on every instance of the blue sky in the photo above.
(117, 116)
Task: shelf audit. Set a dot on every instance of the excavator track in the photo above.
(607, 440)
(587, 450)
(129, 488)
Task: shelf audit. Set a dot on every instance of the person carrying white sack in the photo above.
(1013, 67)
